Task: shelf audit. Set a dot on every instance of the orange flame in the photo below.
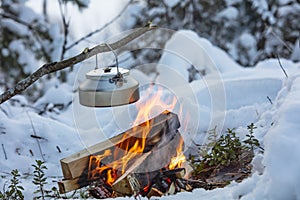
(153, 105)
(129, 148)
(179, 158)
(95, 162)
(111, 176)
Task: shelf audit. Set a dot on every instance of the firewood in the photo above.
(161, 140)
(177, 188)
(196, 183)
(174, 173)
(188, 170)
(160, 155)
(131, 169)
(154, 192)
(180, 184)
(148, 162)
(164, 185)
(123, 187)
(134, 184)
(100, 192)
(75, 165)
(69, 185)
(171, 190)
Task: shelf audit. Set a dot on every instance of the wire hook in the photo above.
(118, 78)
(116, 56)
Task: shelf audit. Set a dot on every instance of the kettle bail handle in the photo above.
(116, 56)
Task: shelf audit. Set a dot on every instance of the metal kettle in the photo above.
(110, 86)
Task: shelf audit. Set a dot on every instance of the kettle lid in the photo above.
(105, 72)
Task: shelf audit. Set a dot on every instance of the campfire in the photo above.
(145, 160)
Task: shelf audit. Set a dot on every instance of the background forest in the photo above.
(249, 31)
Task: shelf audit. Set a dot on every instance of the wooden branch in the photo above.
(56, 66)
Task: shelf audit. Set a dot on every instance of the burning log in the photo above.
(147, 167)
(188, 168)
(175, 173)
(127, 184)
(75, 165)
(165, 182)
(162, 136)
(101, 190)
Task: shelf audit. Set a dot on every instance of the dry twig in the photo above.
(36, 137)
(281, 67)
(4, 152)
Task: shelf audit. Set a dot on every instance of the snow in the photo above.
(296, 51)
(25, 58)
(171, 3)
(288, 10)
(261, 5)
(229, 13)
(247, 40)
(204, 56)
(284, 2)
(228, 96)
(56, 95)
(156, 11)
(11, 25)
(5, 52)
(232, 2)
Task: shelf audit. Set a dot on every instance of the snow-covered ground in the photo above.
(228, 96)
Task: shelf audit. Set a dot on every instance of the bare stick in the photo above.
(58, 149)
(281, 66)
(45, 13)
(5, 155)
(38, 142)
(56, 66)
(269, 99)
(100, 29)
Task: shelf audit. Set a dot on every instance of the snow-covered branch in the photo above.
(56, 66)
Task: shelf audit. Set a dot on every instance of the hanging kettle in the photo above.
(107, 87)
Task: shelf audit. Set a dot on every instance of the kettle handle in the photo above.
(116, 56)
